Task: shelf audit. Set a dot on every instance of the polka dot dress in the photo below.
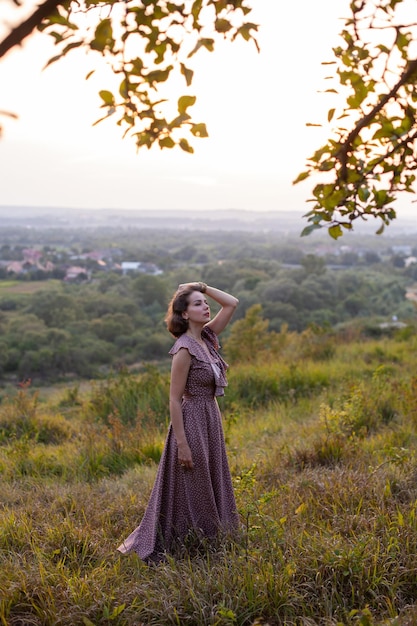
(200, 499)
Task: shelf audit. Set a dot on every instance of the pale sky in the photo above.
(255, 105)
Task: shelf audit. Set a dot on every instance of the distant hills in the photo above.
(229, 219)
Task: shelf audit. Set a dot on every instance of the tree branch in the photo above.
(367, 119)
(18, 34)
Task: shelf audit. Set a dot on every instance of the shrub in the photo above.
(20, 419)
(144, 396)
(258, 385)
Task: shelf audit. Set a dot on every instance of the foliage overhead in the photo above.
(370, 156)
(146, 43)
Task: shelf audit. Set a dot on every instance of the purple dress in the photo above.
(200, 499)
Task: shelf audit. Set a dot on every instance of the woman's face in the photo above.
(198, 309)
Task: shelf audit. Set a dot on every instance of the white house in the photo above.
(138, 266)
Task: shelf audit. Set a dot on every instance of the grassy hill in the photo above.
(321, 434)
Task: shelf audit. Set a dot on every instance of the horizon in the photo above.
(284, 221)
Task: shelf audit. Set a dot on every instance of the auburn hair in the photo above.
(174, 319)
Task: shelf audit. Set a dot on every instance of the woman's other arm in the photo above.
(179, 371)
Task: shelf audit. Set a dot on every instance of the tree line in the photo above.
(115, 321)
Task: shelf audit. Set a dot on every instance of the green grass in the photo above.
(25, 287)
(6, 284)
(322, 453)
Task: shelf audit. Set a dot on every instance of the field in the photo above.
(25, 287)
(321, 436)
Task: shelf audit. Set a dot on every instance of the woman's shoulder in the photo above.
(184, 341)
(193, 347)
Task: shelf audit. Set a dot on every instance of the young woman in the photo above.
(193, 491)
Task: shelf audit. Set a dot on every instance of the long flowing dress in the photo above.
(201, 499)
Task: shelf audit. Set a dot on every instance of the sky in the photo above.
(256, 107)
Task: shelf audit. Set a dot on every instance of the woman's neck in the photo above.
(195, 332)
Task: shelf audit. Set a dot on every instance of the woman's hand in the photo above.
(184, 456)
(198, 285)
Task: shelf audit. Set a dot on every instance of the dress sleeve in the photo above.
(180, 343)
(193, 348)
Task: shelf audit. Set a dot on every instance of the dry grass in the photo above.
(326, 485)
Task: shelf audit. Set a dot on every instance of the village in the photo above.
(46, 262)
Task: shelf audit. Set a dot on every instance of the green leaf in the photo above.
(172, 7)
(245, 30)
(57, 36)
(309, 229)
(143, 139)
(402, 41)
(184, 102)
(137, 66)
(158, 76)
(195, 9)
(107, 97)
(124, 88)
(384, 49)
(222, 25)
(301, 177)
(317, 156)
(199, 130)
(206, 43)
(71, 46)
(330, 115)
(187, 73)
(184, 145)
(53, 60)
(159, 51)
(57, 18)
(381, 198)
(179, 120)
(361, 92)
(335, 231)
(326, 166)
(363, 194)
(128, 119)
(166, 142)
(103, 36)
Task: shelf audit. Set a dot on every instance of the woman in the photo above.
(193, 491)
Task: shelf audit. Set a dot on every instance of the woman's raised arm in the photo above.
(228, 305)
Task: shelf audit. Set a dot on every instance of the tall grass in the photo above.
(322, 453)
(129, 397)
